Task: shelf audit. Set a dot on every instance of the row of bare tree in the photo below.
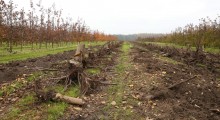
(41, 26)
(206, 34)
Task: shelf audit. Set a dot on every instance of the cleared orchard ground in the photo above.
(144, 76)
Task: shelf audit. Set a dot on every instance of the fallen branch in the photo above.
(107, 83)
(165, 92)
(103, 82)
(46, 69)
(177, 84)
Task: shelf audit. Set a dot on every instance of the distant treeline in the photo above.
(206, 34)
(41, 25)
(136, 36)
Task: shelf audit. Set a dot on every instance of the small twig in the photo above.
(68, 83)
(107, 83)
(126, 76)
(59, 78)
(46, 69)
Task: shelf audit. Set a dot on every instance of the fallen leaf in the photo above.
(124, 102)
(103, 102)
(116, 107)
(113, 103)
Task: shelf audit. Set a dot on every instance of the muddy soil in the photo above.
(12, 70)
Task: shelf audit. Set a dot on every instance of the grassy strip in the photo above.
(28, 53)
(117, 92)
(211, 50)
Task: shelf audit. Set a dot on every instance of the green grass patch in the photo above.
(126, 47)
(201, 65)
(73, 91)
(27, 52)
(212, 50)
(169, 60)
(33, 76)
(55, 110)
(13, 114)
(1, 93)
(26, 100)
(49, 110)
(93, 71)
(18, 108)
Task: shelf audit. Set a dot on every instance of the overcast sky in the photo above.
(134, 16)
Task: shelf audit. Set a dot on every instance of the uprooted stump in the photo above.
(51, 95)
(79, 62)
(77, 75)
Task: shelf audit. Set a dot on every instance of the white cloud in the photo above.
(134, 16)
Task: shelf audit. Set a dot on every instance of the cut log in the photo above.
(69, 99)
